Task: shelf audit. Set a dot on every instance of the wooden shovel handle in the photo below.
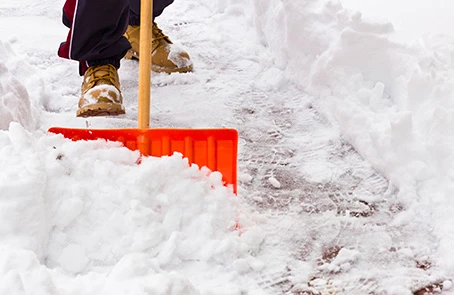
(146, 25)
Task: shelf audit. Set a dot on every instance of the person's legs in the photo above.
(96, 40)
(96, 32)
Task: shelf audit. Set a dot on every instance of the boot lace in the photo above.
(109, 74)
(157, 32)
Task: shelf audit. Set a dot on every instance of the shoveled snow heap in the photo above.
(88, 209)
(15, 104)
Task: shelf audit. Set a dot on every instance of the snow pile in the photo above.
(15, 104)
(408, 18)
(392, 101)
(84, 218)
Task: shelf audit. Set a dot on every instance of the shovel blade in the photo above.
(214, 148)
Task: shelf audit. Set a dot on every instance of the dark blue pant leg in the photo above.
(96, 31)
(158, 8)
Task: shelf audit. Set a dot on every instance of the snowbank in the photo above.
(84, 218)
(393, 101)
(15, 103)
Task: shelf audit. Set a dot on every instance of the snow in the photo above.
(176, 58)
(274, 182)
(14, 98)
(107, 91)
(345, 162)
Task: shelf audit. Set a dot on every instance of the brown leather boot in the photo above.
(165, 57)
(101, 95)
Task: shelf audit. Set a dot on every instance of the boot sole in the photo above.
(134, 55)
(100, 109)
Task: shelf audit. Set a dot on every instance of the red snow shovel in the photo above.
(213, 148)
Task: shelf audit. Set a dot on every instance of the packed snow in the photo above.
(344, 110)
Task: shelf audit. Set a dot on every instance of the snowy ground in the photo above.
(345, 157)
